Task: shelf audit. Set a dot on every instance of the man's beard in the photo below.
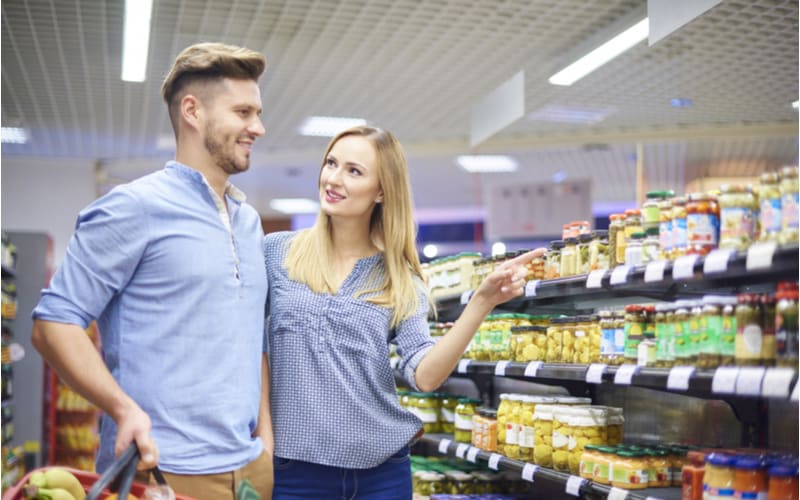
(217, 149)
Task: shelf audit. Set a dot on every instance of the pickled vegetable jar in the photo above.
(789, 205)
(769, 207)
(665, 228)
(598, 250)
(543, 435)
(749, 334)
(465, 409)
(630, 470)
(786, 325)
(737, 216)
(702, 224)
(569, 257)
(678, 227)
(552, 266)
(585, 426)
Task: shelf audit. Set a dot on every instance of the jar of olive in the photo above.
(769, 209)
(427, 409)
(616, 240)
(678, 227)
(767, 304)
(737, 216)
(662, 336)
(786, 325)
(710, 355)
(665, 228)
(651, 247)
(695, 329)
(651, 212)
(634, 331)
(727, 335)
(582, 256)
(598, 250)
(789, 205)
(552, 265)
(569, 257)
(680, 333)
(465, 409)
(749, 335)
(447, 412)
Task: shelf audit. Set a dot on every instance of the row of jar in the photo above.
(451, 275)
(729, 474)
(432, 476)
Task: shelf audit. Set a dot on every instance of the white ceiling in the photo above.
(416, 67)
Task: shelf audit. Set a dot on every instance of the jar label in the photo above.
(600, 470)
(512, 433)
(662, 341)
(727, 336)
(463, 422)
(619, 341)
(559, 440)
(607, 341)
(711, 336)
(695, 336)
(789, 211)
(665, 235)
(679, 233)
(751, 342)
(427, 415)
(448, 415)
(738, 225)
(702, 229)
(626, 475)
(526, 437)
(769, 215)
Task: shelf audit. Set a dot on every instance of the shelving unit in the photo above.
(12, 466)
(750, 391)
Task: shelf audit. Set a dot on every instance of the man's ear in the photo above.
(191, 110)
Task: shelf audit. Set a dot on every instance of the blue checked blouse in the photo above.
(333, 391)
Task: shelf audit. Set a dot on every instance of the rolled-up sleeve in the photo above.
(108, 243)
(413, 339)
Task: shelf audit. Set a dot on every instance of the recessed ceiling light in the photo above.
(14, 135)
(681, 102)
(487, 163)
(328, 126)
(570, 114)
(294, 205)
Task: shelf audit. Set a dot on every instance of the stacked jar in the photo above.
(555, 338)
(447, 412)
(587, 339)
(513, 426)
(552, 265)
(738, 208)
(616, 240)
(526, 432)
(529, 343)
(503, 410)
(702, 224)
(789, 205)
(543, 435)
(586, 425)
(769, 207)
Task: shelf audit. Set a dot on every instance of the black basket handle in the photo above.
(119, 477)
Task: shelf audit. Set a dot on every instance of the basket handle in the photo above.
(119, 477)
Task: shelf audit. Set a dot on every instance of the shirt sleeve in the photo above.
(413, 338)
(109, 240)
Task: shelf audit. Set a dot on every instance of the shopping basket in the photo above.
(116, 479)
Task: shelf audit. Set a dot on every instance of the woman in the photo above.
(340, 293)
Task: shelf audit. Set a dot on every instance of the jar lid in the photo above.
(784, 469)
(700, 197)
(585, 237)
(616, 216)
(770, 178)
(487, 412)
(788, 172)
(660, 194)
(570, 241)
(664, 204)
(557, 244)
(720, 459)
(734, 188)
(749, 463)
(470, 401)
(651, 231)
(601, 233)
(638, 235)
(528, 328)
(632, 211)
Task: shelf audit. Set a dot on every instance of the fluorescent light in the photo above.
(430, 250)
(680, 102)
(328, 126)
(14, 135)
(294, 205)
(569, 114)
(602, 54)
(136, 39)
(559, 177)
(487, 163)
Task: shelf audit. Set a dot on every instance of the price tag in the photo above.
(617, 494)
(528, 471)
(595, 278)
(462, 365)
(620, 274)
(461, 449)
(654, 271)
(717, 261)
(678, 378)
(748, 383)
(794, 392)
(683, 268)
(443, 445)
(494, 461)
(472, 454)
(532, 368)
(574, 484)
(777, 382)
(759, 255)
(530, 288)
(724, 381)
(594, 375)
(466, 296)
(500, 368)
(625, 373)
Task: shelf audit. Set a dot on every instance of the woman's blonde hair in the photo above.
(392, 230)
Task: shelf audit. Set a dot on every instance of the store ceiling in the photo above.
(416, 67)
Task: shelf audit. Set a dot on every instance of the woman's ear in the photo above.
(379, 198)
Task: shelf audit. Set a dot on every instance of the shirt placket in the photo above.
(222, 211)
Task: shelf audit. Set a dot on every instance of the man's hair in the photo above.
(208, 63)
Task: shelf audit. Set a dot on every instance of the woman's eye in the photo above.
(329, 162)
(355, 171)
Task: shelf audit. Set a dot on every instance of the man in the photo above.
(171, 266)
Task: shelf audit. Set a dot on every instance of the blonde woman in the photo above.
(340, 293)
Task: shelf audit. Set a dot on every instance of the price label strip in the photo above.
(724, 381)
(759, 255)
(532, 368)
(594, 375)
(528, 472)
(461, 450)
(619, 276)
(678, 378)
(683, 268)
(595, 278)
(625, 373)
(748, 383)
(443, 445)
(717, 261)
(654, 271)
(494, 461)
(574, 484)
(530, 288)
(617, 494)
(500, 368)
(777, 382)
(463, 365)
(472, 454)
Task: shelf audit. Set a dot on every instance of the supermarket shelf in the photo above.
(573, 485)
(722, 383)
(722, 272)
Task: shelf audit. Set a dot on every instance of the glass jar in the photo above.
(749, 478)
(727, 334)
(650, 211)
(737, 216)
(603, 458)
(691, 476)
(719, 476)
(634, 331)
(553, 260)
(616, 240)
(569, 257)
(782, 481)
(695, 329)
(662, 336)
(429, 483)
(598, 250)
(589, 458)
(582, 260)
(586, 426)
(710, 355)
(629, 470)
(665, 228)
(488, 440)
(659, 474)
(543, 435)
(568, 339)
(464, 411)
(769, 207)
(680, 334)
(749, 335)
(651, 247)
(679, 243)
(447, 412)
(633, 250)
(526, 432)
(536, 268)
(633, 222)
(619, 338)
(561, 416)
(607, 332)
(767, 305)
(524, 343)
(513, 426)
(789, 205)
(786, 325)
(426, 407)
(702, 224)
(555, 341)
(616, 422)
(503, 410)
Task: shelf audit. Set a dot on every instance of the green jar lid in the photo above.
(660, 194)
(470, 401)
